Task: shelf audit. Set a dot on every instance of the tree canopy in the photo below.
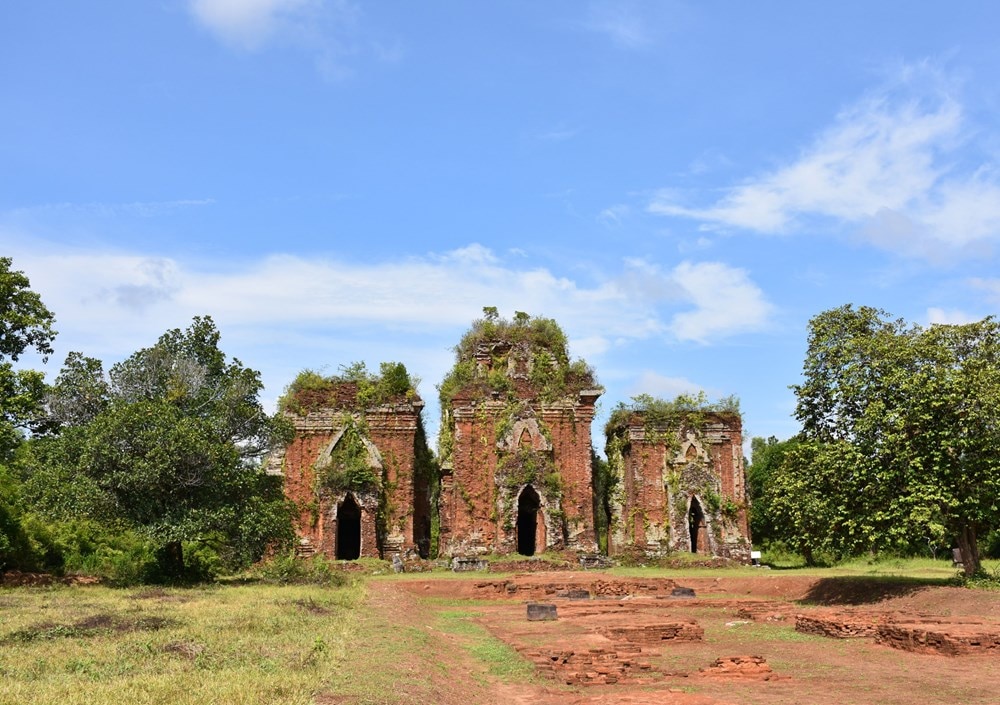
(901, 437)
(767, 456)
(25, 323)
(168, 443)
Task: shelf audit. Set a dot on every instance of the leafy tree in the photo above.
(25, 323)
(902, 425)
(169, 443)
(766, 458)
(80, 393)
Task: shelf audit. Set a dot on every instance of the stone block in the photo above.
(541, 612)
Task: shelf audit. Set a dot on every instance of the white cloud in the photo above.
(107, 301)
(612, 216)
(891, 167)
(658, 385)
(329, 30)
(949, 316)
(990, 286)
(620, 22)
(248, 23)
(725, 302)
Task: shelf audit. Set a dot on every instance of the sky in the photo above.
(681, 185)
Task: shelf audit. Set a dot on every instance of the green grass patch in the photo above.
(251, 644)
(500, 659)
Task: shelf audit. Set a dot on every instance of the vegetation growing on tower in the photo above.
(355, 388)
(495, 354)
(511, 360)
(687, 410)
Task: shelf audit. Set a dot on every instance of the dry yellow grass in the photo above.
(247, 644)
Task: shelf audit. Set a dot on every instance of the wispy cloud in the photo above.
(658, 385)
(991, 287)
(620, 22)
(327, 29)
(559, 133)
(612, 216)
(950, 316)
(897, 168)
(142, 209)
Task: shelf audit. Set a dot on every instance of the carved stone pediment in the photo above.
(374, 457)
(691, 450)
(524, 434)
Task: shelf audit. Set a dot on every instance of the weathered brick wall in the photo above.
(393, 430)
(478, 515)
(570, 428)
(662, 472)
(468, 490)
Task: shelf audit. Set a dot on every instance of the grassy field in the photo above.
(259, 643)
(247, 644)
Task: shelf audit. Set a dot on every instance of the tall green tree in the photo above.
(25, 324)
(901, 422)
(766, 458)
(168, 442)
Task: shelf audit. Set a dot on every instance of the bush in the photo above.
(119, 557)
(27, 544)
(286, 569)
(202, 563)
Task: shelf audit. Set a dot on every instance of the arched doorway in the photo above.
(697, 529)
(348, 529)
(528, 505)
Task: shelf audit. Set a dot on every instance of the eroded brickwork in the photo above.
(502, 453)
(679, 489)
(394, 510)
(517, 472)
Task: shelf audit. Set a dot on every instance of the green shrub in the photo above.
(202, 563)
(286, 569)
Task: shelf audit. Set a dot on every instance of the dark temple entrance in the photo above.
(348, 529)
(528, 505)
(697, 528)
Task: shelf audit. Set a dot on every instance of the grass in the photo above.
(257, 643)
(500, 659)
(252, 644)
(934, 571)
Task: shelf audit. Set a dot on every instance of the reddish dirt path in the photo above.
(795, 667)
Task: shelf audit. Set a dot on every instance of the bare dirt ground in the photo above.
(631, 641)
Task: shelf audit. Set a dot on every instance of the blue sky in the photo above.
(681, 185)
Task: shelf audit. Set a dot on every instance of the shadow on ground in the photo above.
(858, 590)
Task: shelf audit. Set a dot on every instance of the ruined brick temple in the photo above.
(354, 471)
(515, 469)
(678, 483)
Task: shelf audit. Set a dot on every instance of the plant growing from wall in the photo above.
(662, 419)
(527, 467)
(499, 359)
(349, 466)
(354, 387)
(665, 422)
